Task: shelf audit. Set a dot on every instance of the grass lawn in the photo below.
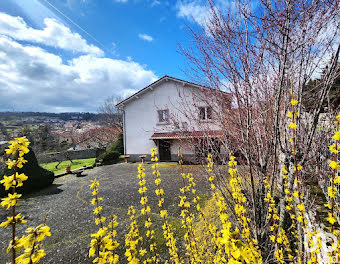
(62, 166)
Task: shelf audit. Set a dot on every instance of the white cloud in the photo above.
(53, 34)
(193, 10)
(121, 1)
(155, 3)
(33, 79)
(145, 37)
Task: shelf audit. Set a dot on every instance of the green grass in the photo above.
(77, 164)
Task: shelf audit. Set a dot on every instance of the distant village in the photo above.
(58, 132)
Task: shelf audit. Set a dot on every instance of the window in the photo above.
(163, 116)
(205, 113)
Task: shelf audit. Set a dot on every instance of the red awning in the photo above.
(187, 135)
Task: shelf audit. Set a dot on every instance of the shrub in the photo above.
(38, 177)
(118, 145)
(112, 155)
(109, 157)
(32, 240)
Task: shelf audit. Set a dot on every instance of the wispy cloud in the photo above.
(145, 37)
(121, 1)
(193, 10)
(155, 3)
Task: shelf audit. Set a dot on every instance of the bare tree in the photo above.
(99, 137)
(258, 54)
(111, 115)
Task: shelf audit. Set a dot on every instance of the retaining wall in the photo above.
(71, 154)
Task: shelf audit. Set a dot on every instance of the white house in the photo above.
(171, 113)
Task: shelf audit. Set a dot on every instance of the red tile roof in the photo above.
(187, 134)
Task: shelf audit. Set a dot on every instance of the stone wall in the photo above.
(71, 154)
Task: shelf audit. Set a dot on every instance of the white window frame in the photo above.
(205, 116)
(163, 116)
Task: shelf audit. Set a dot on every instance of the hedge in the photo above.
(38, 177)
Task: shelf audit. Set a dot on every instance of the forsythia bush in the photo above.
(228, 239)
(31, 242)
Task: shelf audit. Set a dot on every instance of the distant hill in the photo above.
(11, 116)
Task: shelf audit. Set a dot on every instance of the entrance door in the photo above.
(164, 150)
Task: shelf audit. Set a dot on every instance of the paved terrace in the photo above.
(69, 213)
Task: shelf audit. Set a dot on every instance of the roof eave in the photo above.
(122, 104)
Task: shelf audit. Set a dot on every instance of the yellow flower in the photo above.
(338, 117)
(11, 200)
(18, 145)
(334, 149)
(10, 163)
(142, 252)
(9, 182)
(299, 219)
(293, 126)
(37, 234)
(299, 167)
(336, 135)
(331, 192)
(301, 207)
(95, 200)
(142, 190)
(143, 200)
(334, 165)
(163, 213)
(159, 192)
(158, 181)
(145, 210)
(294, 102)
(37, 255)
(100, 220)
(331, 219)
(97, 210)
(327, 205)
(18, 219)
(94, 183)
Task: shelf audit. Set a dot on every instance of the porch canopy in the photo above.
(187, 135)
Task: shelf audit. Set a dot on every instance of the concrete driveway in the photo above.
(69, 213)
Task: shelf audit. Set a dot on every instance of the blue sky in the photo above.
(69, 55)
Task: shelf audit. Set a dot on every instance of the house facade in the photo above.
(171, 114)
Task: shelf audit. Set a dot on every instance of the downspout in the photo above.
(124, 132)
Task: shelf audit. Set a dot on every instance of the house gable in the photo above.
(155, 85)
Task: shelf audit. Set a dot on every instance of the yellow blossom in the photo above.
(11, 200)
(294, 102)
(293, 126)
(336, 136)
(10, 181)
(331, 219)
(334, 149)
(18, 219)
(94, 183)
(334, 165)
(163, 213)
(331, 192)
